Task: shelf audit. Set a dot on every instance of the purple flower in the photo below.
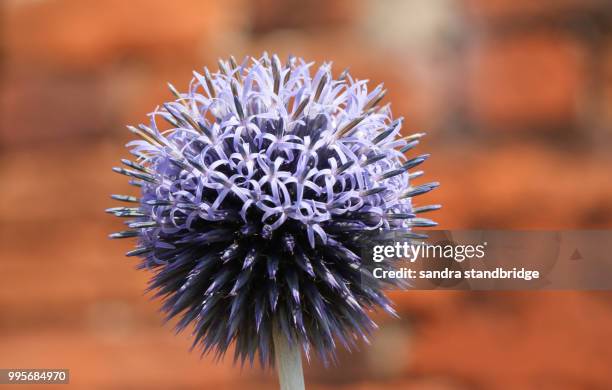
(254, 199)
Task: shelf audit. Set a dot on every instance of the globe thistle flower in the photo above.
(253, 201)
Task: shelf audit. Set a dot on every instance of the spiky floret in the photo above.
(254, 200)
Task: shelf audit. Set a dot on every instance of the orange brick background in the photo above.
(516, 98)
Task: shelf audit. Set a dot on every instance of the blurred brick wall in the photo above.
(542, 67)
(516, 97)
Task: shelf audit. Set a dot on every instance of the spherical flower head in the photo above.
(254, 198)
